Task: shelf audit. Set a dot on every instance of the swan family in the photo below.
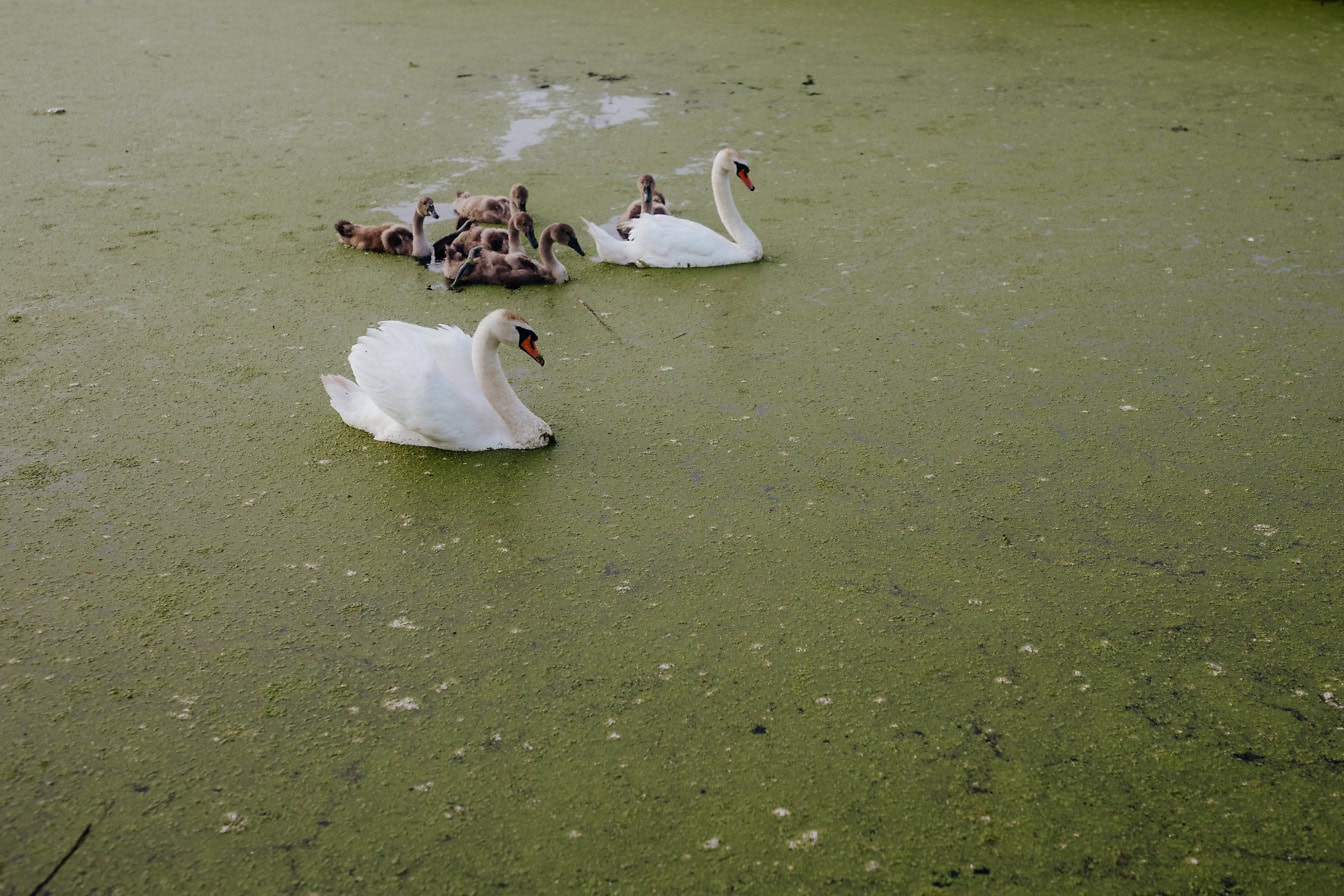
(439, 387)
(666, 241)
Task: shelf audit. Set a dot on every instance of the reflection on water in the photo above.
(536, 114)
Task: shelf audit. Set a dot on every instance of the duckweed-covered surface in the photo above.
(985, 537)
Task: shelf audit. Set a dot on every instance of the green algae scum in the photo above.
(984, 537)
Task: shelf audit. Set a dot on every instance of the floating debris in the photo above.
(234, 823)
(805, 840)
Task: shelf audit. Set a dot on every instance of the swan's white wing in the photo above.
(664, 241)
(422, 379)
(359, 411)
(611, 248)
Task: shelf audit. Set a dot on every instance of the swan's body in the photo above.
(454, 247)
(396, 239)
(439, 387)
(664, 241)
(516, 269)
(650, 202)
(490, 209)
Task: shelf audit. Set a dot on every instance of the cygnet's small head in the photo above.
(519, 197)
(646, 185)
(522, 222)
(563, 234)
(424, 206)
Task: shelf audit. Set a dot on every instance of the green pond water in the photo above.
(984, 537)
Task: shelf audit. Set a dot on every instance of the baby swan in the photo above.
(454, 247)
(515, 269)
(490, 209)
(395, 239)
(650, 202)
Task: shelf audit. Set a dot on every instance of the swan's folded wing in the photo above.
(609, 248)
(666, 241)
(417, 377)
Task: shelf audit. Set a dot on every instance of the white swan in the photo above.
(664, 241)
(438, 387)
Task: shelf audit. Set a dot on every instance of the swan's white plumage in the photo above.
(438, 387)
(664, 241)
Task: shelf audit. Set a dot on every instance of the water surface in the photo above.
(983, 537)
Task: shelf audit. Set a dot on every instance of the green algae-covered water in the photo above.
(985, 537)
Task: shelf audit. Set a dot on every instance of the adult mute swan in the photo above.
(393, 238)
(438, 387)
(664, 241)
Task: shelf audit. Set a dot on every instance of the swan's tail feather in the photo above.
(345, 396)
(357, 408)
(609, 248)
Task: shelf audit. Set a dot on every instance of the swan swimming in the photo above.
(516, 269)
(490, 209)
(664, 241)
(438, 387)
(392, 238)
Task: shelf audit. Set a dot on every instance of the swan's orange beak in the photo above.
(528, 343)
(743, 173)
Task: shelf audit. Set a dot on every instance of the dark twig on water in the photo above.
(79, 841)
(598, 317)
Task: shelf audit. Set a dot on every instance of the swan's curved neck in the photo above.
(722, 184)
(546, 251)
(419, 245)
(495, 385)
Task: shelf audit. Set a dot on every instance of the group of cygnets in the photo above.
(439, 388)
(474, 252)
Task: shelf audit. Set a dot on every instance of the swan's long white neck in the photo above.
(521, 422)
(722, 184)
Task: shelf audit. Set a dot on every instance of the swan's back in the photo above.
(422, 380)
(664, 241)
